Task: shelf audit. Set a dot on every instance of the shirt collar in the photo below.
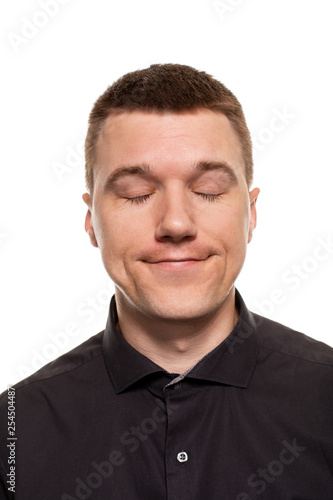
(232, 362)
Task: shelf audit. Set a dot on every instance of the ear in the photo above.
(253, 212)
(88, 222)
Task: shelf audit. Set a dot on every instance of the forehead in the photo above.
(170, 143)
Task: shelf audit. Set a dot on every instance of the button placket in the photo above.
(177, 385)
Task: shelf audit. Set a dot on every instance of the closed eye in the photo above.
(139, 199)
(209, 197)
(206, 196)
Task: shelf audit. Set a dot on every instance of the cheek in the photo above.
(229, 225)
(118, 235)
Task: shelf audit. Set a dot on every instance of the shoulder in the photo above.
(286, 342)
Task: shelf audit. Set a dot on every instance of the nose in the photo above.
(175, 218)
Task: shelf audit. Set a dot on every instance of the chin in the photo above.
(179, 309)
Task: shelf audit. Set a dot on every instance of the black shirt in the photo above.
(252, 420)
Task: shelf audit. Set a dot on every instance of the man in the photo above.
(186, 394)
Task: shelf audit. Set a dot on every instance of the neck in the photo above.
(176, 346)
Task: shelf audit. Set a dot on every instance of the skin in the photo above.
(173, 239)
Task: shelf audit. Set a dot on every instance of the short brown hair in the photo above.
(166, 87)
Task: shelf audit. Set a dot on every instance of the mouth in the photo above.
(176, 264)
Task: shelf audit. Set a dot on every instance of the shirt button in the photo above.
(177, 385)
(182, 456)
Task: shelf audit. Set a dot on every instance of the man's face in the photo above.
(171, 211)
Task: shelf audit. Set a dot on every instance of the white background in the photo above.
(276, 56)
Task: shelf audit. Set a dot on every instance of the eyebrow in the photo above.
(202, 166)
(124, 171)
(221, 166)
